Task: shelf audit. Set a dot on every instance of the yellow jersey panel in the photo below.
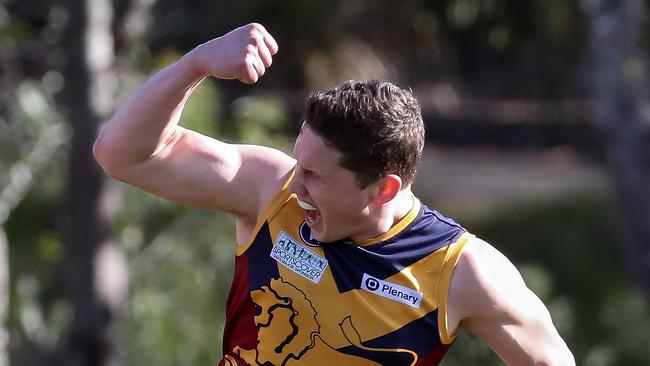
(295, 301)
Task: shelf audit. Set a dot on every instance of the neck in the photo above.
(387, 215)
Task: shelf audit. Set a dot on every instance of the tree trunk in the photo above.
(88, 99)
(4, 298)
(620, 99)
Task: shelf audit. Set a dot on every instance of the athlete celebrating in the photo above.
(337, 260)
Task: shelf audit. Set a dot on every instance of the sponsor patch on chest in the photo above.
(299, 258)
(391, 291)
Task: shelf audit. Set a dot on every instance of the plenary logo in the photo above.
(371, 283)
(305, 235)
(391, 291)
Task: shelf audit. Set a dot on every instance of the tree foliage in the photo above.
(180, 260)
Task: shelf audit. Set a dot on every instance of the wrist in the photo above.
(190, 64)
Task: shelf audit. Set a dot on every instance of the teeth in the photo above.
(306, 206)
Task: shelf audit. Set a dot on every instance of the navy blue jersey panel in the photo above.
(261, 266)
(429, 232)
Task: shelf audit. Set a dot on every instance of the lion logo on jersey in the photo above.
(289, 308)
(288, 329)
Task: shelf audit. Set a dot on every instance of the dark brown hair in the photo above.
(376, 125)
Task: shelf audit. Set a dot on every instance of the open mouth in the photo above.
(312, 214)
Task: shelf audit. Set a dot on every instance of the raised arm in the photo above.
(143, 145)
(488, 297)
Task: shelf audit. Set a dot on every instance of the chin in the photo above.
(327, 238)
(324, 236)
(321, 237)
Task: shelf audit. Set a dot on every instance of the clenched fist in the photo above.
(242, 54)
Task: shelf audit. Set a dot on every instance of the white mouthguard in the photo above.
(306, 206)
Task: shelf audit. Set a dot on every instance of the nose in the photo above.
(296, 185)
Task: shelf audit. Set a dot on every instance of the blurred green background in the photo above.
(538, 141)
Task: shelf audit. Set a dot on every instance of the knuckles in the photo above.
(255, 27)
(244, 52)
(250, 50)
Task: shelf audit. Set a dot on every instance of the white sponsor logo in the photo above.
(298, 258)
(391, 291)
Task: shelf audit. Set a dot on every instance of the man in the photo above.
(337, 261)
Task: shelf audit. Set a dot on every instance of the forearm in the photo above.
(148, 120)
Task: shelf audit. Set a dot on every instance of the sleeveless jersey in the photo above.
(295, 301)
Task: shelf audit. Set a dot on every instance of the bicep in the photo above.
(200, 171)
(504, 313)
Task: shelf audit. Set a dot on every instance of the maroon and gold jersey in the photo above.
(295, 301)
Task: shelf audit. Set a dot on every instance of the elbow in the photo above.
(103, 155)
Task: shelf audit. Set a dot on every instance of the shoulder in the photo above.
(266, 170)
(483, 277)
(235, 178)
(268, 167)
(269, 155)
(485, 269)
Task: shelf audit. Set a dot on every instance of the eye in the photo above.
(311, 175)
(308, 174)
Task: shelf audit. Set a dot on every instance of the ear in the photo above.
(387, 188)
